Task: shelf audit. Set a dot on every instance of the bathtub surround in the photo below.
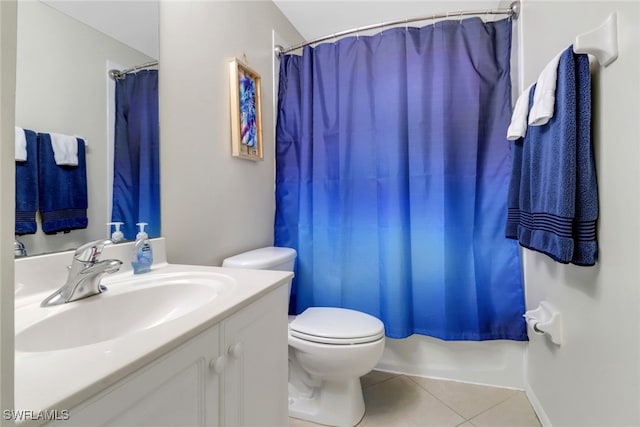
(497, 363)
(391, 183)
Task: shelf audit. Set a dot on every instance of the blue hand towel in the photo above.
(27, 187)
(586, 209)
(63, 189)
(553, 194)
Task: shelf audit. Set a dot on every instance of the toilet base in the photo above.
(334, 403)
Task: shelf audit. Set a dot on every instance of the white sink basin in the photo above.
(128, 307)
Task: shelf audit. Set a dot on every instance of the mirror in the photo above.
(62, 86)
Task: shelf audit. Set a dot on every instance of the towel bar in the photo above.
(601, 42)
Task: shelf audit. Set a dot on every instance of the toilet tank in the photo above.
(269, 258)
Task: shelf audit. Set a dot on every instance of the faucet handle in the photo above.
(19, 250)
(90, 252)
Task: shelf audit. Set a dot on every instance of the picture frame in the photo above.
(246, 112)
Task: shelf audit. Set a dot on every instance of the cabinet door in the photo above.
(255, 380)
(179, 389)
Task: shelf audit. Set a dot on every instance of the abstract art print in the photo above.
(246, 117)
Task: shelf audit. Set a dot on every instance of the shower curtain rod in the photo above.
(119, 74)
(512, 12)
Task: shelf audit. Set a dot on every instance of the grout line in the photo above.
(492, 407)
(453, 409)
(381, 381)
(440, 400)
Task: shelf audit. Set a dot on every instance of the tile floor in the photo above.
(404, 401)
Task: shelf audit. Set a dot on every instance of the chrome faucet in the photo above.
(19, 250)
(85, 273)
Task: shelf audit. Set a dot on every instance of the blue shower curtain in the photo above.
(136, 169)
(392, 176)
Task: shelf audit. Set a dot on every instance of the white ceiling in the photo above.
(135, 22)
(317, 18)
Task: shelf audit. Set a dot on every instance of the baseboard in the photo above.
(537, 407)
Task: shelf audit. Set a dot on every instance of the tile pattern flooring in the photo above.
(404, 401)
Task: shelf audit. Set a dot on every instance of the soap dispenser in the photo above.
(117, 236)
(142, 253)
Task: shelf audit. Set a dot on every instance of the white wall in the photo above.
(593, 379)
(133, 22)
(214, 205)
(7, 205)
(61, 87)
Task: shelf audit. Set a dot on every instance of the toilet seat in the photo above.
(338, 326)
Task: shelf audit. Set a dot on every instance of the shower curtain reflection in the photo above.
(136, 169)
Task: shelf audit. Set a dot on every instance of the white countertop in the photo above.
(62, 379)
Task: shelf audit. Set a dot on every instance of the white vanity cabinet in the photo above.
(255, 380)
(178, 389)
(232, 374)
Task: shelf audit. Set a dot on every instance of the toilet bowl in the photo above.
(329, 350)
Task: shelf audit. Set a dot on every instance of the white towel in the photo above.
(544, 97)
(65, 149)
(21, 145)
(518, 127)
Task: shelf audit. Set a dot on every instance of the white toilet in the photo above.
(329, 350)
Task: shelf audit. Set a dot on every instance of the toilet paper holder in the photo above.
(545, 319)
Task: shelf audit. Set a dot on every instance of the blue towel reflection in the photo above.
(63, 190)
(27, 187)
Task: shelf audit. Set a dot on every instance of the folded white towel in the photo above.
(65, 149)
(518, 127)
(21, 145)
(544, 97)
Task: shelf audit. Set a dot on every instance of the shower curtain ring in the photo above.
(406, 24)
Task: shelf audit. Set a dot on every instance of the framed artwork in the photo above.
(246, 115)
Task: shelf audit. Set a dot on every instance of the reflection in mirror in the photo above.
(136, 160)
(62, 87)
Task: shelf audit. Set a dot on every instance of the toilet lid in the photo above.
(332, 325)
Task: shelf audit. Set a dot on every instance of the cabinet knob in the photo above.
(235, 350)
(218, 365)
